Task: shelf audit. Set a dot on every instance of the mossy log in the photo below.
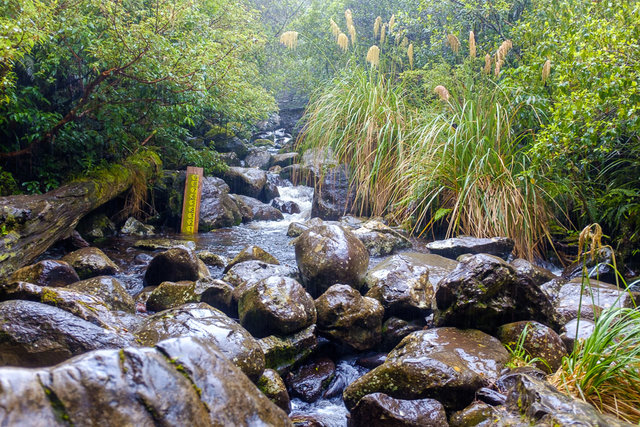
(29, 225)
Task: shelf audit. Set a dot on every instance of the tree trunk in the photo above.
(29, 225)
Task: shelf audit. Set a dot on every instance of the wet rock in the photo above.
(297, 228)
(271, 188)
(576, 329)
(330, 254)
(284, 160)
(258, 158)
(333, 198)
(285, 206)
(164, 244)
(482, 414)
(142, 259)
(260, 211)
(272, 385)
(402, 286)
(490, 396)
(208, 323)
(373, 361)
(172, 294)
(311, 379)
(300, 420)
(437, 265)
(252, 253)
(600, 267)
(484, 292)
(246, 181)
(246, 212)
(135, 228)
(276, 305)
(395, 329)
(538, 275)
(91, 262)
(380, 239)
(540, 341)
(229, 145)
(379, 409)
(283, 352)
(444, 363)
(346, 316)
(211, 259)
(538, 401)
(453, 248)
(108, 289)
(218, 294)
(596, 296)
(84, 306)
(230, 159)
(46, 273)
(73, 242)
(173, 265)
(217, 207)
(16, 409)
(244, 275)
(34, 334)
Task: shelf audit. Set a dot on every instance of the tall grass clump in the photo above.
(468, 165)
(361, 115)
(604, 369)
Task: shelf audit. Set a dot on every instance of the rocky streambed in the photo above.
(287, 320)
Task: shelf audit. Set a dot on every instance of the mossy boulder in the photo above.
(134, 227)
(272, 385)
(163, 244)
(402, 286)
(379, 409)
(283, 352)
(109, 289)
(246, 181)
(203, 321)
(539, 342)
(211, 259)
(255, 210)
(349, 318)
(380, 239)
(217, 208)
(218, 294)
(484, 292)
(276, 305)
(91, 262)
(258, 158)
(170, 294)
(252, 253)
(330, 254)
(33, 334)
(246, 274)
(173, 265)
(96, 226)
(46, 273)
(285, 159)
(446, 364)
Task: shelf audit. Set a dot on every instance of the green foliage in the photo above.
(108, 76)
(8, 184)
(518, 354)
(591, 132)
(206, 158)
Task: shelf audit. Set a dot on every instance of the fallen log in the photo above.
(29, 225)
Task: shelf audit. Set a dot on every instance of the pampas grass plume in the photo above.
(289, 39)
(373, 55)
(454, 43)
(472, 45)
(343, 42)
(546, 70)
(376, 26)
(335, 30)
(442, 92)
(410, 54)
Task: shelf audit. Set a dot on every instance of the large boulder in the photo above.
(34, 334)
(134, 227)
(453, 248)
(311, 379)
(246, 274)
(173, 265)
(281, 353)
(272, 385)
(258, 158)
(394, 329)
(333, 197)
(588, 299)
(203, 321)
(91, 262)
(379, 409)
(446, 364)
(46, 273)
(285, 206)
(538, 275)
(283, 160)
(348, 317)
(231, 145)
(162, 244)
(172, 294)
(539, 342)
(330, 254)
(217, 209)
(401, 284)
(181, 382)
(258, 211)
(108, 289)
(247, 182)
(484, 292)
(380, 239)
(276, 305)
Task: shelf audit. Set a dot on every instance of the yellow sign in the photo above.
(191, 204)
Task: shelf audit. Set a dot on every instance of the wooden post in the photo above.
(191, 203)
